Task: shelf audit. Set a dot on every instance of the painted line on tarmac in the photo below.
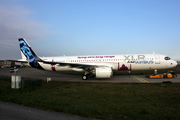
(140, 79)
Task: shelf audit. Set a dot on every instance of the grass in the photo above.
(100, 100)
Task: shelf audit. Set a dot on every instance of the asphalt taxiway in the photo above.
(11, 111)
(41, 74)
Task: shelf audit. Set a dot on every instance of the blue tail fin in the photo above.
(31, 56)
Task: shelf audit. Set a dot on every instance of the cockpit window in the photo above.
(167, 58)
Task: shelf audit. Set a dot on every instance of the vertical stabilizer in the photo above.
(22, 55)
(29, 54)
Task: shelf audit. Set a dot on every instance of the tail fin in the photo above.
(22, 55)
(30, 55)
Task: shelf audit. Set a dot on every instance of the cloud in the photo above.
(16, 22)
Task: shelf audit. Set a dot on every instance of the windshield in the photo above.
(167, 58)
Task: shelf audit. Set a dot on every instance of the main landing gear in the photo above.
(85, 77)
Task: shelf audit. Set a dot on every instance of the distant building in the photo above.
(5, 64)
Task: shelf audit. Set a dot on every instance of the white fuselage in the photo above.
(98, 66)
(117, 62)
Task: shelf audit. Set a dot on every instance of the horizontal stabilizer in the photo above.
(19, 60)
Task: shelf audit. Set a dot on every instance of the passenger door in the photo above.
(157, 59)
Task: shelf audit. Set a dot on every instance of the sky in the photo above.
(90, 27)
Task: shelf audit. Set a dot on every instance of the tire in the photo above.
(84, 77)
(165, 76)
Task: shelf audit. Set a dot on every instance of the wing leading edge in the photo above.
(72, 64)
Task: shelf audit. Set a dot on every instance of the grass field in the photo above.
(110, 101)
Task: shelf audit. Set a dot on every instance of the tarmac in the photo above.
(55, 76)
(12, 111)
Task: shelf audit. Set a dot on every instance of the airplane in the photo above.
(98, 66)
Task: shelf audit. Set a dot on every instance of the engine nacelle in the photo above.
(78, 69)
(104, 72)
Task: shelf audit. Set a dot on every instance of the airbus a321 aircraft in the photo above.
(99, 66)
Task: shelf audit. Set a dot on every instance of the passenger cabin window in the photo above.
(167, 58)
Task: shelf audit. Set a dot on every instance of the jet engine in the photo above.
(103, 72)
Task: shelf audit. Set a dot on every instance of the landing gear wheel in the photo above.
(84, 77)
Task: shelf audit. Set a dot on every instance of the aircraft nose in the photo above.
(174, 63)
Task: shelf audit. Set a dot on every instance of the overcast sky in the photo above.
(90, 27)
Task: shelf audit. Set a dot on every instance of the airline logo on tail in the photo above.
(29, 53)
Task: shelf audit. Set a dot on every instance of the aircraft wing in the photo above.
(73, 64)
